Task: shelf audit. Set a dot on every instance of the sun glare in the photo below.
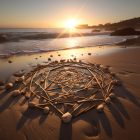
(71, 23)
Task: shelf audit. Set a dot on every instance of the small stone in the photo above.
(46, 110)
(112, 73)
(107, 100)
(71, 93)
(10, 61)
(36, 58)
(20, 79)
(112, 95)
(100, 108)
(89, 77)
(2, 83)
(66, 117)
(49, 59)
(8, 86)
(51, 55)
(118, 82)
(59, 55)
(97, 65)
(74, 58)
(72, 55)
(27, 96)
(89, 53)
(80, 61)
(16, 92)
(113, 82)
(56, 61)
(31, 104)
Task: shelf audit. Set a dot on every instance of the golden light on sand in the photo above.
(71, 23)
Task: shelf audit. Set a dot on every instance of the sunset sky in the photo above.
(54, 13)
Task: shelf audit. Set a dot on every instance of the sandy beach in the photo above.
(119, 120)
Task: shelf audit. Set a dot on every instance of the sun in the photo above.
(71, 23)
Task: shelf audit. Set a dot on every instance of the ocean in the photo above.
(20, 41)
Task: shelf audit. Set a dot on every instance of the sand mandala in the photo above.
(69, 83)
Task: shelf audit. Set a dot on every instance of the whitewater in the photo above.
(20, 41)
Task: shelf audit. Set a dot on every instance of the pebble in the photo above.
(49, 59)
(82, 86)
(8, 86)
(113, 82)
(10, 61)
(56, 61)
(105, 68)
(112, 95)
(20, 79)
(46, 110)
(74, 58)
(118, 82)
(59, 55)
(31, 104)
(112, 73)
(107, 100)
(16, 92)
(89, 53)
(100, 108)
(97, 65)
(51, 55)
(66, 117)
(71, 93)
(27, 96)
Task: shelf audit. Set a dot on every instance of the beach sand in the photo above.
(120, 119)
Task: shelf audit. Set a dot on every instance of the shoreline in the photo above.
(119, 118)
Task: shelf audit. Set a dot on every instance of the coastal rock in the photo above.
(118, 82)
(100, 108)
(46, 110)
(112, 73)
(125, 31)
(66, 117)
(16, 92)
(112, 95)
(8, 86)
(107, 100)
(31, 104)
(95, 31)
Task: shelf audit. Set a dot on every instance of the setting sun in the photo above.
(71, 23)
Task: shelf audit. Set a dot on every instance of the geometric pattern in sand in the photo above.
(69, 83)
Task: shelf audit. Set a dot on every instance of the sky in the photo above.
(54, 13)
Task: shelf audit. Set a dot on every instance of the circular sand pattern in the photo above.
(77, 86)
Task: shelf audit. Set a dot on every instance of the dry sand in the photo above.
(120, 119)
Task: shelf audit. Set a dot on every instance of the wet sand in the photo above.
(120, 119)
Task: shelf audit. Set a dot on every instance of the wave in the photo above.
(50, 50)
(7, 37)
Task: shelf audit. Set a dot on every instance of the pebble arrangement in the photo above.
(67, 82)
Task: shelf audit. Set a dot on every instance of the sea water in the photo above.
(33, 40)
